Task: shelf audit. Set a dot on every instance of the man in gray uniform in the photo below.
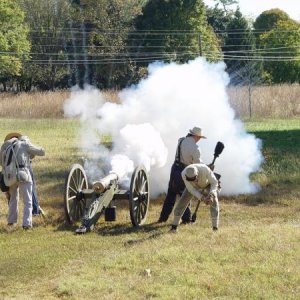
(187, 153)
(25, 151)
(198, 178)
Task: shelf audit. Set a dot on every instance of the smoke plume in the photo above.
(154, 114)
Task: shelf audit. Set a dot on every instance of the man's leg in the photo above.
(186, 218)
(26, 190)
(168, 205)
(13, 205)
(35, 201)
(181, 206)
(214, 213)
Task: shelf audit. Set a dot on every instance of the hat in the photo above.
(11, 135)
(191, 173)
(197, 131)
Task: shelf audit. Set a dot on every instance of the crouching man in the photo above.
(197, 178)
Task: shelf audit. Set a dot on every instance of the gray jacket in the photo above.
(25, 152)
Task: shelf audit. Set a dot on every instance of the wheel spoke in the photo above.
(143, 185)
(71, 198)
(74, 182)
(82, 183)
(73, 190)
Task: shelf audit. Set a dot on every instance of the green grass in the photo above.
(255, 254)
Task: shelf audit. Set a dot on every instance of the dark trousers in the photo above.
(176, 187)
(35, 200)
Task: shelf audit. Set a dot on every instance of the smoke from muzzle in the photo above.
(154, 114)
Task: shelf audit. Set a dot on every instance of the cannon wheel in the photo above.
(74, 201)
(139, 196)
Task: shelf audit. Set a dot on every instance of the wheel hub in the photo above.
(79, 196)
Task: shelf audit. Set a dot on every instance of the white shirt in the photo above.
(205, 177)
(189, 151)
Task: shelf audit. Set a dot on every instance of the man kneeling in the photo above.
(197, 178)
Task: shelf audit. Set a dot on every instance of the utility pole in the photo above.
(200, 44)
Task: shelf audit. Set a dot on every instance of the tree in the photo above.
(49, 37)
(268, 19)
(240, 55)
(176, 30)
(282, 52)
(109, 24)
(14, 45)
(219, 19)
(225, 4)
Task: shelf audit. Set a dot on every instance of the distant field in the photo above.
(255, 254)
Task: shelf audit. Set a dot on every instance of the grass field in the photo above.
(254, 255)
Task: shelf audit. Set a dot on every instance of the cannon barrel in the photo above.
(101, 185)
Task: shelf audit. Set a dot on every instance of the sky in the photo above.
(253, 8)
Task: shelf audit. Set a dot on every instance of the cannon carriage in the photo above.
(86, 204)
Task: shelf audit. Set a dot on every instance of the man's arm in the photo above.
(35, 150)
(212, 181)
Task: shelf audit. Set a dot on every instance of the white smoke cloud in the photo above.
(153, 114)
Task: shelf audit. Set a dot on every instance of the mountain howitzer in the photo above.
(218, 150)
(87, 205)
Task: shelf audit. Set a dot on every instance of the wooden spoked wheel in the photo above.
(139, 196)
(74, 201)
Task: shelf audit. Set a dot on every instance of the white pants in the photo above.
(26, 192)
(184, 202)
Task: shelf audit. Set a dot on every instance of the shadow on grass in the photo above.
(65, 226)
(153, 231)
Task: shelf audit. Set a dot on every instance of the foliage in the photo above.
(239, 48)
(225, 4)
(110, 43)
(14, 45)
(285, 35)
(219, 19)
(176, 30)
(109, 25)
(47, 21)
(268, 19)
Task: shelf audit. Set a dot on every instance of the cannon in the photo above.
(86, 204)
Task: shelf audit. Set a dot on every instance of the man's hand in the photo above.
(208, 200)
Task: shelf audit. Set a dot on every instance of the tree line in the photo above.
(55, 44)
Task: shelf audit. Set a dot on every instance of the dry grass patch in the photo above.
(39, 104)
(276, 101)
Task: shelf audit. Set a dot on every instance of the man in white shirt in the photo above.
(198, 178)
(187, 153)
